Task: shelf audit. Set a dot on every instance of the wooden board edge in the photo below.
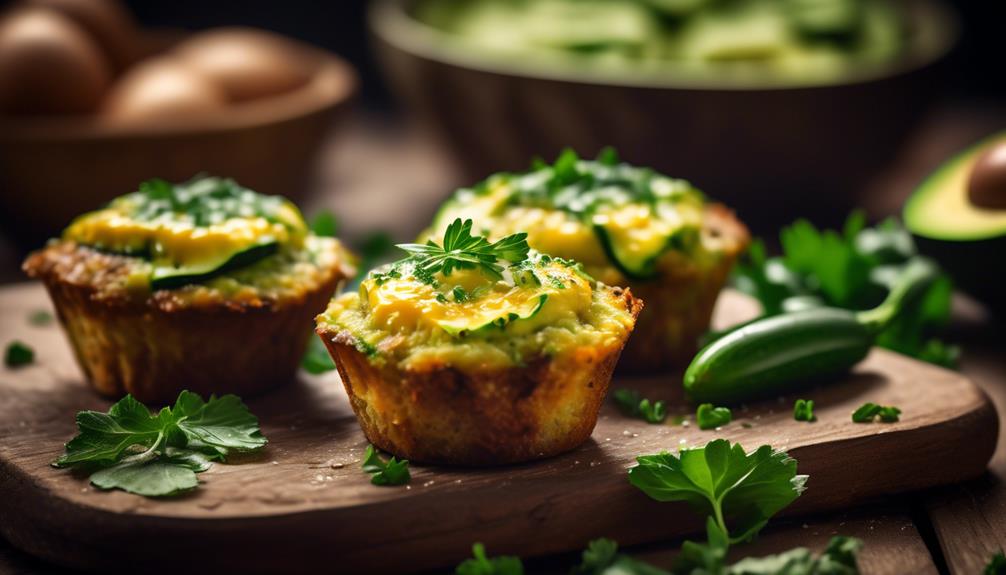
(52, 530)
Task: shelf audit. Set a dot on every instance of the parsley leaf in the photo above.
(633, 404)
(838, 559)
(803, 410)
(710, 417)
(852, 269)
(40, 318)
(602, 558)
(996, 565)
(869, 412)
(392, 472)
(462, 250)
(153, 478)
(223, 423)
(482, 565)
(724, 482)
(130, 448)
(18, 354)
(324, 223)
(316, 359)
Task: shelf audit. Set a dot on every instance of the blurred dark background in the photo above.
(976, 66)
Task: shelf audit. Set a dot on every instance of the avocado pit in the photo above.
(987, 181)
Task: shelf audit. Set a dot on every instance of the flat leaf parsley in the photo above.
(154, 455)
(854, 269)
(724, 482)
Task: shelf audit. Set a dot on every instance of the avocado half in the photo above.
(969, 241)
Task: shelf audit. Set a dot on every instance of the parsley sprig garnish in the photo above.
(154, 455)
(461, 250)
(726, 484)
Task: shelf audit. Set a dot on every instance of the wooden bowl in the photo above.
(774, 145)
(53, 169)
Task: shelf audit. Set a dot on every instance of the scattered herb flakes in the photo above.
(633, 404)
(324, 223)
(316, 359)
(461, 250)
(157, 455)
(996, 565)
(392, 472)
(723, 482)
(711, 417)
(18, 354)
(803, 410)
(479, 564)
(40, 318)
(869, 412)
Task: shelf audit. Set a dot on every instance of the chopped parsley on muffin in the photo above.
(206, 286)
(628, 226)
(476, 353)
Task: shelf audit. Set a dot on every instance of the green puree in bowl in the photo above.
(811, 39)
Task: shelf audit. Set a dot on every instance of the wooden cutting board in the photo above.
(304, 504)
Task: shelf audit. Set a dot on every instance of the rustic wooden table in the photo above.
(376, 175)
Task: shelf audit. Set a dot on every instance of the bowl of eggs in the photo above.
(782, 108)
(91, 105)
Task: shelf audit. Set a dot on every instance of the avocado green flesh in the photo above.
(940, 210)
(171, 277)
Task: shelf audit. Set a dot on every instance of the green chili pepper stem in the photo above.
(912, 284)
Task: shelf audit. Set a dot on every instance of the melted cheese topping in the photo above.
(495, 323)
(639, 230)
(176, 240)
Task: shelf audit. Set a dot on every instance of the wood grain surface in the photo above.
(969, 518)
(304, 502)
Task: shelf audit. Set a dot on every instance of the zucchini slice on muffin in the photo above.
(476, 353)
(206, 286)
(628, 226)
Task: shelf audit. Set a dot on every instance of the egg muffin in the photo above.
(627, 226)
(205, 286)
(471, 353)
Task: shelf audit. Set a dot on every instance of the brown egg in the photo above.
(107, 21)
(49, 65)
(247, 63)
(162, 89)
